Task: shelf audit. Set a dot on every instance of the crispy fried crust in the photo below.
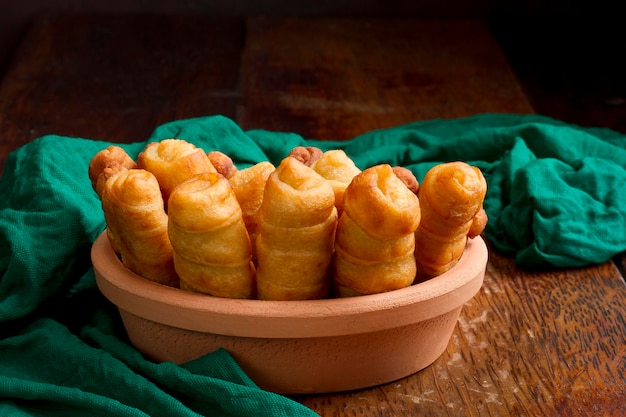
(308, 155)
(407, 178)
(137, 224)
(297, 223)
(339, 170)
(105, 163)
(375, 238)
(380, 203)
(173, 161)
(222, 163)
(248, 184)
(451, 197)
(212, 252)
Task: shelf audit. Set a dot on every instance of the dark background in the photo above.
(567, 54)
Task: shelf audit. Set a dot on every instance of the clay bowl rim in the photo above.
(288, 319)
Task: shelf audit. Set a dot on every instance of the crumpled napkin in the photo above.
(555, 198)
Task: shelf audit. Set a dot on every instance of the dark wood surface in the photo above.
(118, 77)
(541, 343)
(337, 78)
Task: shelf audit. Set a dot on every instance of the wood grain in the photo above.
(117, 77)
(531, 343)
(543, 343)
(337, 78)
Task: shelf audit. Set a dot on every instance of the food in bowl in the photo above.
(309, 235)
(303, 237)
(296, 347)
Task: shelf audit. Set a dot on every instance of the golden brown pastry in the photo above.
(375, 239)
(407, 177)
(137, 224)
(173, 161)
(113, 157)
(479, 222)
(222, 163)
(248, 184)
(308, 155)
(297, 223)
(451, 197)
(339, 170)
(110, 170)
(212, 252)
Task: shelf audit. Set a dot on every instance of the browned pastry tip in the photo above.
(407, 177)
(454, 191)
(173, 161)
(379, 202)
(112, 156)
(222, 163)
(110, 170)
(308, 155)
(297, 187)
(339, 170)
(479, 222)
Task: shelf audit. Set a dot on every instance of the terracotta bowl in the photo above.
(294, 347)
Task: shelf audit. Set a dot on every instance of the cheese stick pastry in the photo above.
(308, 155)
(375, 239)
(297, 223)
(212, 253)
(339, 170)
(334, 165)
(173, 161)
(223, 163)
(248, 184)
(137, 224)
(451, 199)
(110, 170)
(113, 157)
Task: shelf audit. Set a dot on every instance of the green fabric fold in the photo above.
(555, 199)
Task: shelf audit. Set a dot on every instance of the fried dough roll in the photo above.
(115, 159)
(451, 199)
(212, 252)
(297, 223)
(308, 155)
(334, 165)
(137, 224)
(223, 163)
(375, 239)
(173, 161)
(248, 184)
(339, 170)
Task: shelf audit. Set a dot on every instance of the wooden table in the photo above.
(542, 343)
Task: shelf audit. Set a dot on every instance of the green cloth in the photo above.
(555, 198)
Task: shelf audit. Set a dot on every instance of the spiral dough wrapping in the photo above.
(375, 236)
(297, 223)
(451, 199)
(137, 224)
(212, 252)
